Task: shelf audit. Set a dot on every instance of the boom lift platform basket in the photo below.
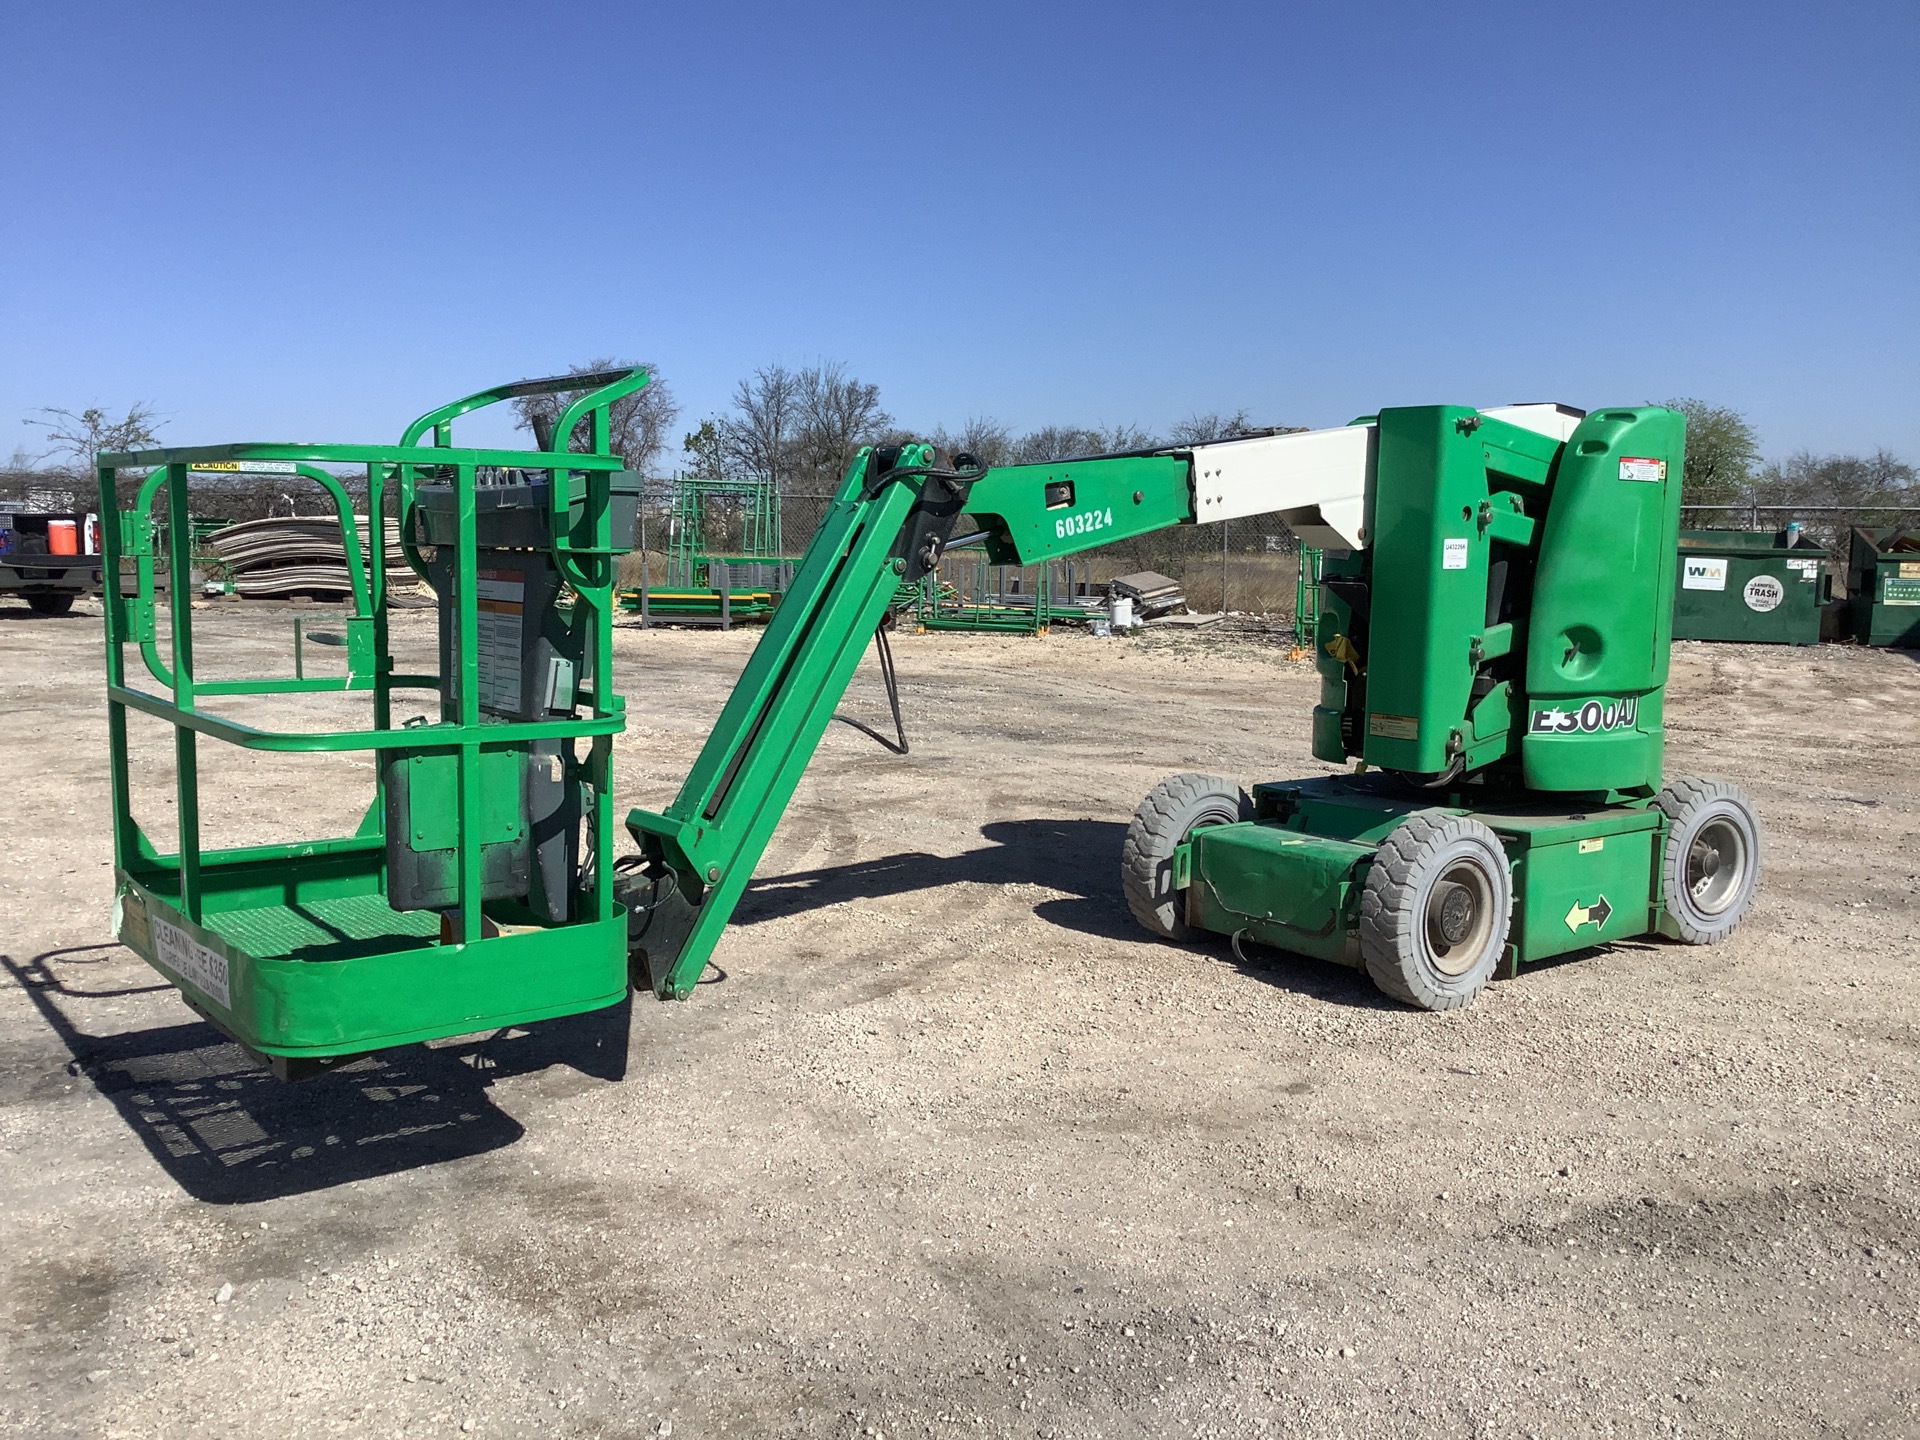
(478, 889)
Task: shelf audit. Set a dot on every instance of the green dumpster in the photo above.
(1764, 586)
(1883, 578)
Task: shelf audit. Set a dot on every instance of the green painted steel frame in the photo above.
(583, 550)
(687, 525)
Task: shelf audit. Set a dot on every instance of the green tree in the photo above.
(707, 448)
(1722, 453)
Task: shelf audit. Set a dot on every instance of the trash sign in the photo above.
(1764, 593)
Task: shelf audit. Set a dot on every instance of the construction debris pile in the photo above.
(288, 555)
(1152, 593)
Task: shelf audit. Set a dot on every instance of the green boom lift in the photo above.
(1492, 641)
(1492, 638)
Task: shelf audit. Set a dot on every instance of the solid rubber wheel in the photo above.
(49, 604)
(1711, 864)
(1435, 910)
(1172, 811)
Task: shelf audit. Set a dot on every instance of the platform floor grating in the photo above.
(326, 929)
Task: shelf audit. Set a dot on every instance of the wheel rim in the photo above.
(1459, 918)
(1206, 820)
(1717, 862)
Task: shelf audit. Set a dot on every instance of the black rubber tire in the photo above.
(1400, 909)
(49, 604)
(1712, 823)
(1172, 811)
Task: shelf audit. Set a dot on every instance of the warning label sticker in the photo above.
(1453, 554)
(1394, 727)
(502, 600)
(1896, 591)
(1703, 574)
(200, 967)
(1807, 568)
(247, 467)
(1763, 593)
(1642, 467)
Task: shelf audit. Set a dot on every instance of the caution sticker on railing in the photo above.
(247, 467)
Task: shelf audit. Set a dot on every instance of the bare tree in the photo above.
(1116, 438)
(1074, 442)
(638, 422)
(1199, 429)
(1054, 442)
(988, 441)
(836, 415)
(756, 440)
(82, 438)
(1838, 481)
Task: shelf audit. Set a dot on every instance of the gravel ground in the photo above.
(944, 1146)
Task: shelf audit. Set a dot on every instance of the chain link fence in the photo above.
(1250, 565)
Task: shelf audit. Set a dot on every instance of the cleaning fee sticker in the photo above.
(1641, 467)
(1453, 554)
(200, 967)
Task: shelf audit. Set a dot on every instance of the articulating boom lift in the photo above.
(1492, 644)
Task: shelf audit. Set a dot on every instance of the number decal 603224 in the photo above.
(1086, 522)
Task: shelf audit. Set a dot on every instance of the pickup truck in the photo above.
(48, 558)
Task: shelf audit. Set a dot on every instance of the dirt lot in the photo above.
(944, 1146)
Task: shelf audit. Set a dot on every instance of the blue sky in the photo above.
(314, 222)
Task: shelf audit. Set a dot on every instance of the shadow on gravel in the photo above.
(229, 1133)
(1078, 856)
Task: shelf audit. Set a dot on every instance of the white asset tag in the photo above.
(1453, 554)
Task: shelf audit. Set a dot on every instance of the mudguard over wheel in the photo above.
(1435, 910)
(1172, 811)
(1711, 864)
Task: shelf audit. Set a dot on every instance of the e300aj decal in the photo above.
(1595, 715)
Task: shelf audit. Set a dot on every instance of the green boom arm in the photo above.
(884, 528)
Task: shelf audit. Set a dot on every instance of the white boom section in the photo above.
(1317, 479)
(1319, 476)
